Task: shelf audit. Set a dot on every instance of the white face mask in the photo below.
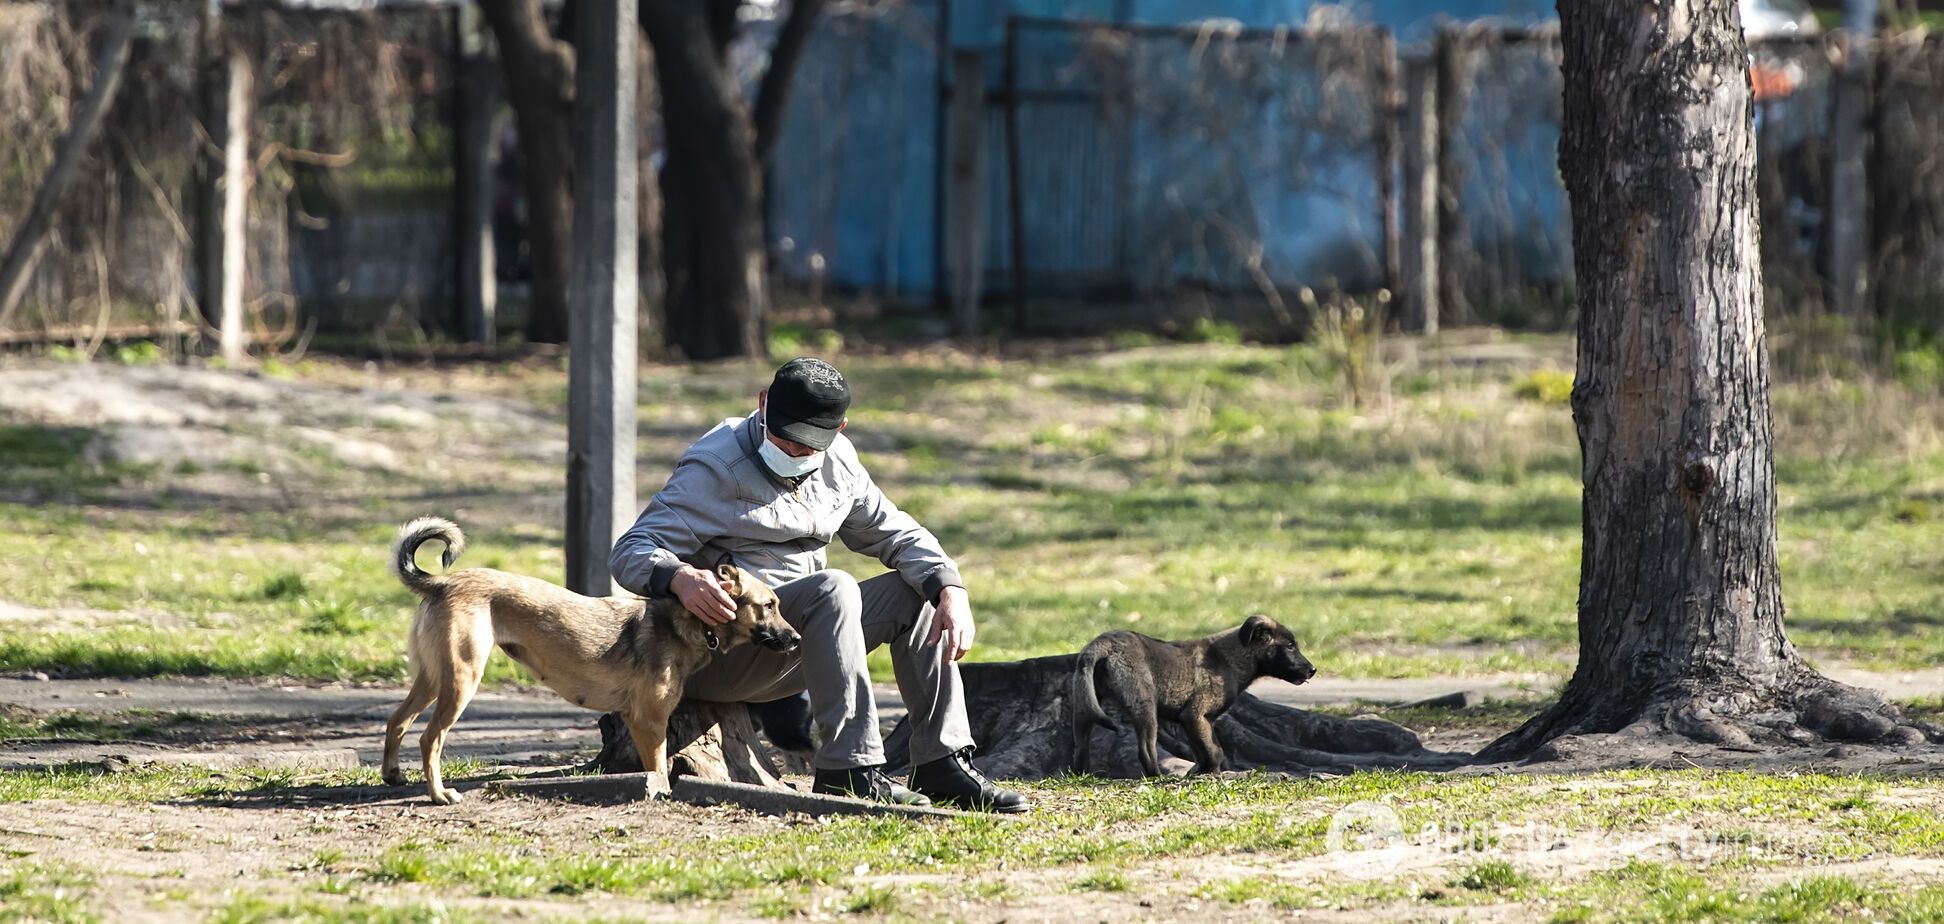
(784, 464)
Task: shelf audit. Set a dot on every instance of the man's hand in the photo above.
(703, 594)
(952, 622)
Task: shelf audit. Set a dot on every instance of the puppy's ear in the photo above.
(729, 573)
(1257, 629)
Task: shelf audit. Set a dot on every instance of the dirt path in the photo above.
(243, 723)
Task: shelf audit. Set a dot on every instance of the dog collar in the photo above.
(714, 643)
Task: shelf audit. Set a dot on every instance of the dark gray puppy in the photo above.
(1192, 682)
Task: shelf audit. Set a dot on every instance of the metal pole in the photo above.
(602, 294)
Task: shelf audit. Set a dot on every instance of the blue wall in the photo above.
(854, 177)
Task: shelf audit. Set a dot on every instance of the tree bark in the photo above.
(1022, 721)
(1680, 608)
(25, 249)
(710, 741)
(539, 72)
(716, 295)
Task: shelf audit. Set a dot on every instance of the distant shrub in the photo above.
(1209, 330)
(1349, 332)
(792, 340)
(283, 586)
(1547, 386)
(1234, 423)
(141, 353)
(1921, 368)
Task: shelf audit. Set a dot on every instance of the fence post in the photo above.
(602, 294)
(1387, 138)
(1448, 95)
(965, 226)
(1016, 215)
(477, 140)
(1420, 256)
(222, 223)
(1844, 241)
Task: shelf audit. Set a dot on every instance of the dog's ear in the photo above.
(729, 573)
(1257, 629)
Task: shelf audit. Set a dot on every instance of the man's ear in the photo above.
(729, 573)
(1257, 628)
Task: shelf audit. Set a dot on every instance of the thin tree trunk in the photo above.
(715, 288)
(773, 94)
(25, 250)
(649, 212)
(539, 71)
(1680, 609)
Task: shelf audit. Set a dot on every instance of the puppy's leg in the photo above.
(1201, 736)
(401, 721)
(1132, 685)
(1147, 732)
(1082, 739)
(465, 666)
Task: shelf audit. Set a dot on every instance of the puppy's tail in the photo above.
(1086, 706)
(406, 546)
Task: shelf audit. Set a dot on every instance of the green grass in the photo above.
(1102, 826)
(252, 909)
(50, 894)
(159, 783)
(1103, 880)
(1170, 489)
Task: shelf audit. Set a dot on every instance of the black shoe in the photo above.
(953, 781)
(865, 783)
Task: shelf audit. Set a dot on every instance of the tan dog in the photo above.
(611, 654)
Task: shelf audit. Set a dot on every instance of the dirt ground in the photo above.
(210, 853)
(187, 856)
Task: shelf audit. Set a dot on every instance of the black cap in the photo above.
(807, 401)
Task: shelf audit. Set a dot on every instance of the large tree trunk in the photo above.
(712, 251)
(539, 71)
(1680, 609)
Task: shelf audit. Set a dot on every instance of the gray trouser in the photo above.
(840, 620)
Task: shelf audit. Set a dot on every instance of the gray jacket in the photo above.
(723, 504)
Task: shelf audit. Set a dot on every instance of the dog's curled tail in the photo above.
(417, 533)
(1086, 705)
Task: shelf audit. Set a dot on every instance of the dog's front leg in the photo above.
(651, 740)
(650, 734)
(1201, 736)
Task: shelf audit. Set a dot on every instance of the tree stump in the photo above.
(709, 741)
(1022, 721)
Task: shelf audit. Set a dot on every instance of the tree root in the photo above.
(710, 741)
(1020, 718)
(1804, 709)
